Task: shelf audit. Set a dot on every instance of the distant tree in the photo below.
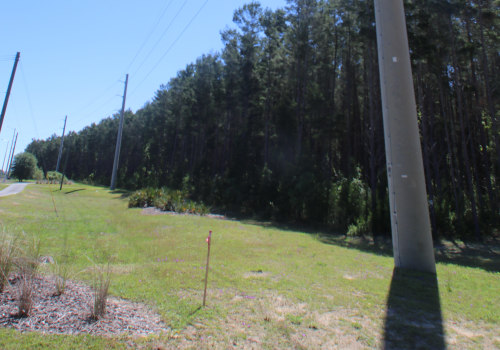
(24, 166)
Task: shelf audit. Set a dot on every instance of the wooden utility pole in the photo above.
(411, 229)
(61, 146)
(6, 101)
(64, 170)
(11, 158)
(10, 151)
(5, 156)
(119, 138)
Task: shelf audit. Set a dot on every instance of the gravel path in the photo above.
(13, 189)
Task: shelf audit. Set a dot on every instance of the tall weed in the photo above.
(25, 290)
(61, 268)
(61, 272)
(101, 279)
(8, 252)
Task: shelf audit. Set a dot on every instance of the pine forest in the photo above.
(285, 123)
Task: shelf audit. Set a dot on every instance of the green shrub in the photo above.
(359, 228)
(348, 206)
(38, 176)
(143, 198)
(53, 176)
(166, 200)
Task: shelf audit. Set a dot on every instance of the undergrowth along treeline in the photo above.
(286, 123)
(166, 200)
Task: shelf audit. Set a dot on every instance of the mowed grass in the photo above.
(268, 287)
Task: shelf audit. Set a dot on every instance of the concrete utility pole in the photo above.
(11, 158)
(119, 138)
(6, 101)
(411, 229)
(61, 146)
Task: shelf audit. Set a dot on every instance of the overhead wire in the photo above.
(171, 46)
(107, 89)
(5, 58)
(161, 37)
(100, 96)
(150, 34)
(28, 97)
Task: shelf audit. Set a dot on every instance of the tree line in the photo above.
(286, 121)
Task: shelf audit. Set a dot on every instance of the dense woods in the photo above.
(286, 122)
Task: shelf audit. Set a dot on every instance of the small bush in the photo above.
(348, 207)
(143, 198)
(53, 176)
(360, 228)
(38, 175)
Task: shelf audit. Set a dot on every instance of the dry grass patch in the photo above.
(271, 320)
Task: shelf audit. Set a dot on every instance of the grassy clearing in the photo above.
(268, 287)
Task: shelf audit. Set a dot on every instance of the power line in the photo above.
(89, 114)
(171, 46)
(161, 37)
(5, 58)
(30, 105)
(150, 33)
(100, 96)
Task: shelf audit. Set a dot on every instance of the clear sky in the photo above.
(75, 54)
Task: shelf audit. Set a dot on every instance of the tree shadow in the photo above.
(413, 316)
(485, 255)
(379, 246)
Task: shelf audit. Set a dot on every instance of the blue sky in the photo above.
(75, 54)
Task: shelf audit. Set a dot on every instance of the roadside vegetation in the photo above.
(166, 200)
(285, 122)
(269, 287)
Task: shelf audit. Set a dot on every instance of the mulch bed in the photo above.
(69, 313)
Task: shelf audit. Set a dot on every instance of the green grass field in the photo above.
(268, 287)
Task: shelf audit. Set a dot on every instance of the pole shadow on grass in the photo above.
(413, 316)
(73, 191)
(124, 194)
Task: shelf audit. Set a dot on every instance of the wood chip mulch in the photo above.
(69, 313)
